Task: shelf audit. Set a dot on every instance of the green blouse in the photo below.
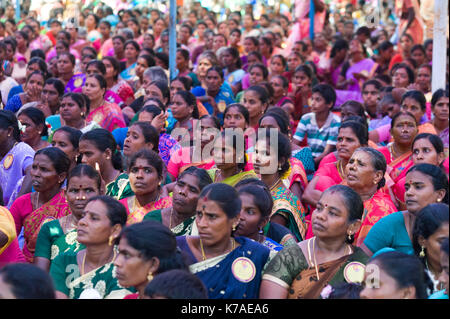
(183, 229)
(102, 281)
(52, 241)
(120, 187)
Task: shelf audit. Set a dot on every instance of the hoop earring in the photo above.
(150, 277)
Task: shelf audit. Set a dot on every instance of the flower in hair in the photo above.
(22, 127)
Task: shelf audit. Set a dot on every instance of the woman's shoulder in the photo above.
(22, 202)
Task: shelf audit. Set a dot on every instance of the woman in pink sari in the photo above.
(398, 153)
(108, 115)
(426, 148)
(146, 174)
(48, 173)
(300, 29)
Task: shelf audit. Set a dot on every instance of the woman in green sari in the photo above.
(329, 258)
(90, 273)
(230, 158)
(271, 162)
(181, 216)
(98, 148)
(60, 235)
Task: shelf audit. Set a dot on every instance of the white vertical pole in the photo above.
(440, 29)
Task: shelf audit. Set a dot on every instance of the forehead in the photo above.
(190, 180)
(61, 136)
(417, 176)
(81, 181)
(96, 206)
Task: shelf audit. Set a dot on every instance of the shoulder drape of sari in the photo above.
(298, 173)
(136, 214)
(109, 116)
(232, 180)
(182, 229)
(222, 282)
(66, 276)
(289, 206)
(56, 208)
(120, 188)
(379, 206)
(290, 269)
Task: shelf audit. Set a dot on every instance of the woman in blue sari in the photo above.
(229, 267)
(131, 53)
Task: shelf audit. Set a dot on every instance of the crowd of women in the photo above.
(333, 183)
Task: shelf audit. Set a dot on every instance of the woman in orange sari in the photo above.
(365, 175)
(398, 153)
(146, 174)
(48, 173)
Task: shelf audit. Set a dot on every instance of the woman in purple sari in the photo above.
(354, 72)
(15, 159)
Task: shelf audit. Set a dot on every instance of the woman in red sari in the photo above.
(146, 174)
(398, 153)
(48, 173)
(426, 148)
(351, 136)
(365, 175)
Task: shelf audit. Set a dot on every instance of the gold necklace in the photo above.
(340, 168)
(233, 246)
(271, 188)
(314, 264)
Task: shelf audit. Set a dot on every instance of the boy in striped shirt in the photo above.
(320, 126)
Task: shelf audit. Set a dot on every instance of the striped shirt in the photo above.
(318, 138)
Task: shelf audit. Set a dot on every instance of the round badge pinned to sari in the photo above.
(78, 82)
(354, 272)
(221, 106)
(243, 269)
(8, 161)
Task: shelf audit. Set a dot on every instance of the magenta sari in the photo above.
(32, 220)
(109, 116)
(353, 91)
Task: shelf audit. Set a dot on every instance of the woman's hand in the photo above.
(159, 121)
(33, 94)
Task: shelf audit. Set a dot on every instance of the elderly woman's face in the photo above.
(360, 172)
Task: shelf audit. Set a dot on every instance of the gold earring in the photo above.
(110, 241)
(439, 200)
(234, 228)
(422, 253)
(150, 277)
(349, 237)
